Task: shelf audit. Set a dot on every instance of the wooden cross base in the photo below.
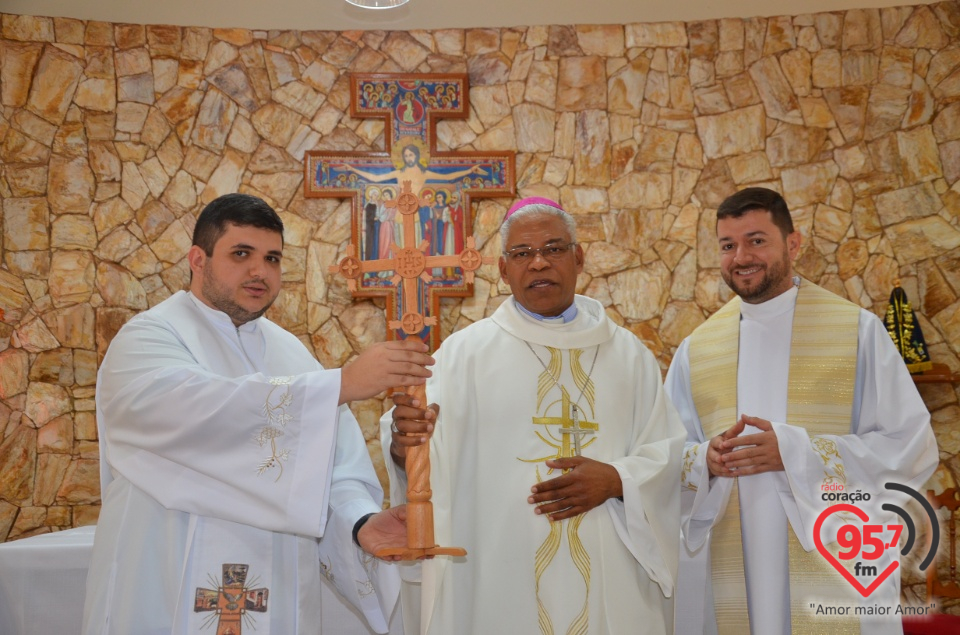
(420, 554)
(420, 530)
(420, 540)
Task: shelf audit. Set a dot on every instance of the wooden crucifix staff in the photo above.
(410, 263)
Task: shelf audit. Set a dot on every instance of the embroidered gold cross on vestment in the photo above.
(571, 425)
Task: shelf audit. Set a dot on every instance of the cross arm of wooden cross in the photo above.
(470, 259)
(352, 268)
(410, 263)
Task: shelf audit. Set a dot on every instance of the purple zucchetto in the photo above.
(531, 200)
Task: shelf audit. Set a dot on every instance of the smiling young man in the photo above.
(553, 458)
(786, 392)
(227, 453)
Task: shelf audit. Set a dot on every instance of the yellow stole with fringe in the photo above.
(822, 376)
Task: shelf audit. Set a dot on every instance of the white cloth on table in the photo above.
(42, 586)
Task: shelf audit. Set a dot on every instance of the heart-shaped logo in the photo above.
(862, 515)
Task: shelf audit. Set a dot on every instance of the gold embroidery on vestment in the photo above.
(581, 559)
(689, 458)
(565, 422)
(546, 380)
(327, 571)
(561, 447)
(582, 379)
(277, 419)
(369, 563)
(545, 554)
(833, 472)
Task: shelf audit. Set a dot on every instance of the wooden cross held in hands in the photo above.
(429, 253)
(410, 264)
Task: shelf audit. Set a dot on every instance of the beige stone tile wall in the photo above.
(113, 137)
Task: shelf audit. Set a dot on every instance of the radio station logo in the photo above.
(862, 546)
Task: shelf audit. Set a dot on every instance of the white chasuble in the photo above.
(231, 481)
(888, 439)
(514, 392)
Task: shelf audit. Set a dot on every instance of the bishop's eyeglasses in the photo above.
(551, 253)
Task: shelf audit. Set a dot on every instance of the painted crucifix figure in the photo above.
(443, 182)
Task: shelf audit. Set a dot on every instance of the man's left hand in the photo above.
(385, 530)
(588, 484)
(761, 455)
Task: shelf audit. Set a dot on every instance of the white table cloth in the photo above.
(42, 582)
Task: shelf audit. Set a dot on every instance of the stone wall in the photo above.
(113, 137)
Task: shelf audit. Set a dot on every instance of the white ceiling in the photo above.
(338, 15)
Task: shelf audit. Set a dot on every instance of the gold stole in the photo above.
(822, 375)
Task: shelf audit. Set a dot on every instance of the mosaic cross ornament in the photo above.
(442, 185)
(232, 602)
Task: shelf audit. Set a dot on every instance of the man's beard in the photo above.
(773, 276)
(222, 301)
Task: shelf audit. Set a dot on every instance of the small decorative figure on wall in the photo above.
(905, 331)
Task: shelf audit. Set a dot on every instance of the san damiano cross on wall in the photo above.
(442, 185)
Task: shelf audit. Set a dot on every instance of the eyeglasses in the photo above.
(550, 253)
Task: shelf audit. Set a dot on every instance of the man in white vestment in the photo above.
(793, 399)
(233, 476)
(553, 457)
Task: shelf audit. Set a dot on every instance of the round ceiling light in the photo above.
(378, 4)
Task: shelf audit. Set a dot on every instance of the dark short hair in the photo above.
(753, 198)
(243, 210)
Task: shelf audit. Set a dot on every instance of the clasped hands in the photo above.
(729, 454)
(585, 484)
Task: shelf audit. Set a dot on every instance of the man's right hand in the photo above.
(385, 365)
(411, 427)
(715, 450)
